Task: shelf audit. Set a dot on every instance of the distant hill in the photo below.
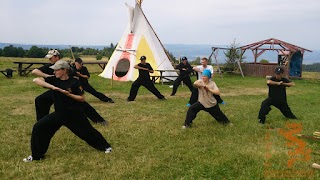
(192, 51)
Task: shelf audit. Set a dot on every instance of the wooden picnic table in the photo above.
(102, 64)
(164, 77)
(24, 68)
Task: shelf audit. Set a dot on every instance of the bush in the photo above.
(98, 56)
(264, 61)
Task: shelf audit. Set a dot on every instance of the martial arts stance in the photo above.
(277, 96)
(184, 76)
(67, 95)
(83, 74)
(44, 101)
(206, 101)
(144, 80)
(199, 69)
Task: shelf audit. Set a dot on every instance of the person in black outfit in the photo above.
(67, 95)
(144, 80)
(277, 96)
(185, 70)
(44, 101)
(83, 74)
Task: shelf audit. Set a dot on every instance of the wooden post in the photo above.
(71, 52)
(112, 77)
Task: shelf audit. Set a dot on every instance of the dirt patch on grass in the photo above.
(246, 91)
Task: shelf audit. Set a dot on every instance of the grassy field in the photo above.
(147, 139)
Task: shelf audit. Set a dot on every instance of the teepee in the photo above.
(139, 39)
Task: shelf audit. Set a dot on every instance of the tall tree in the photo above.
(35, 52)
(233, 54)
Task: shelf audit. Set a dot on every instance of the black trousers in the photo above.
(44, 101)
(76, 121)
(214, 111)
(88, 88)
(186, 80)
(281, 105)
(195, 94)
(147, 83)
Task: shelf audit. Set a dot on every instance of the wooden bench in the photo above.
(154, 78)
(8, 72)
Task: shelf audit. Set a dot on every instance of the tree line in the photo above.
(315, 67)
(37, 52)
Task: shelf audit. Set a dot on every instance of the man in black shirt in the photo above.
(44, 101)
(144, 80)
(83, 74)
(185, 70)
(277, 96)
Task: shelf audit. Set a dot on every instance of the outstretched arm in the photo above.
(39, 73)
(42, 83)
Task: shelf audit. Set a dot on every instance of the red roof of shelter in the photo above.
(273, 44)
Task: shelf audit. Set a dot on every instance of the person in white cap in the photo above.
(67, 96)
(44, 101)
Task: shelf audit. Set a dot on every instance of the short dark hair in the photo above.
(78, 60)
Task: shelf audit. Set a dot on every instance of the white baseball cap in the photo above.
(51, 53)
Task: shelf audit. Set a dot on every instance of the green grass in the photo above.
(147, 139)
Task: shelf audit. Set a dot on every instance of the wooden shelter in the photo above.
(289, 57)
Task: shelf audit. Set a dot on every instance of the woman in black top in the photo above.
(67, 96)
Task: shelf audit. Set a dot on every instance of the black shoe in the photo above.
(129, 100)
(172, 94)
(110, 101)
(163, 98)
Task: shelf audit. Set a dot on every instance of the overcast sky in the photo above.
(214, 22)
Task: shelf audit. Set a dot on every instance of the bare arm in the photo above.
(40, 82)
(196, 69)
(198, 84)
(39, 73)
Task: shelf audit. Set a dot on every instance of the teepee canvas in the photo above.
(139, 39)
